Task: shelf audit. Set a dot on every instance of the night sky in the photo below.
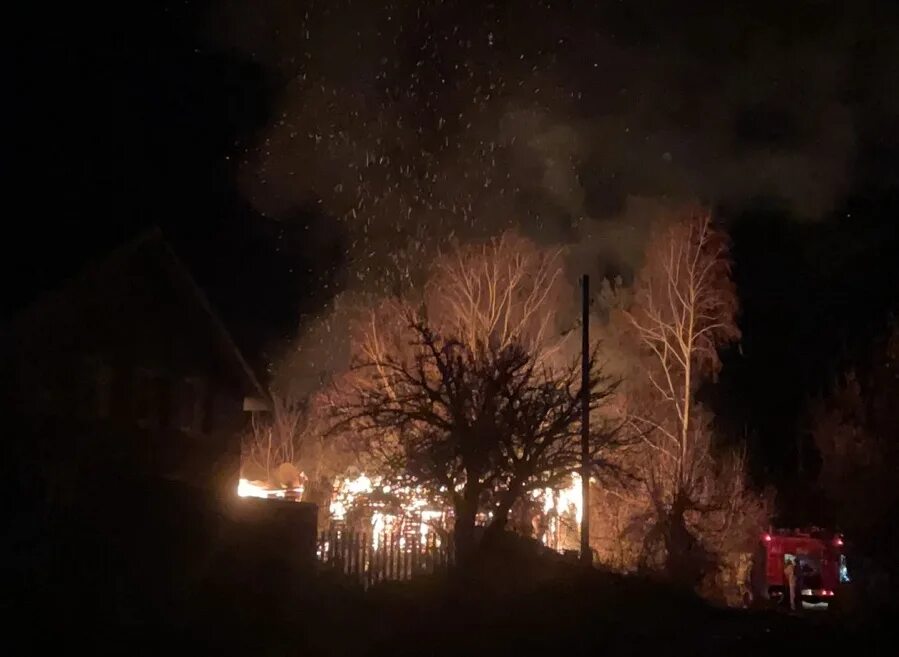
(291, 150)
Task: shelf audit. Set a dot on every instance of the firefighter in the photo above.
(790, 581)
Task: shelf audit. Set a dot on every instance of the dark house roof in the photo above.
(181, 278)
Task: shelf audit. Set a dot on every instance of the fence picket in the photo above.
(374, 557)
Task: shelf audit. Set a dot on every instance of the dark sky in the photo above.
(293, 149)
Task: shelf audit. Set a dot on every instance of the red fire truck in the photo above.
(820, 565)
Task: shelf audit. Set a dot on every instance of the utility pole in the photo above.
(586, 552)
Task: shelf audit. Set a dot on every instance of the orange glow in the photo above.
(246, 488)
(558, 505)
(414, 513)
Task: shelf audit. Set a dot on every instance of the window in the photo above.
(94, 387)
(190, 404)
(151, 399)
(144, 413)
(103, 391)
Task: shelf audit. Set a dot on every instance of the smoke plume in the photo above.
(408, 123)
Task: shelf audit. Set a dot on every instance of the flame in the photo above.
(247, 488)
(414, 515)
(565, 500)
(347, 491)
(557, 505)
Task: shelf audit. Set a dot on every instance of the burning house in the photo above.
(365, 518)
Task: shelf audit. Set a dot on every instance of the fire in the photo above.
(565, 500)
(413, 513)
(558, 505)
(561, 507)
(348, 491)
(247, 488)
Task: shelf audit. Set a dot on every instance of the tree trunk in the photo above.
(686, 559)
(676, 539)
(500, 516)
(466, 510)
(497, 526)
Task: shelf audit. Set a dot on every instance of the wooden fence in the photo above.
(371, 558)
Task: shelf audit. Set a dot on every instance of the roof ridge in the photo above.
(219, 324)
(177, 269)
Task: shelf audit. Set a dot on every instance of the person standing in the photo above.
(790, 581)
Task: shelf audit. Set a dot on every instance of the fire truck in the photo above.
(817, 555)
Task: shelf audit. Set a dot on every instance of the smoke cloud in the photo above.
(408, 123)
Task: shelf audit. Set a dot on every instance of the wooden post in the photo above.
(366, 561)
(351, 535)
(389, 571)
(586, 553)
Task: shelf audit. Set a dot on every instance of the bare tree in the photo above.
(278, 440)
(434, 372)
(683, 311)
(855, 429)
(478, 426)
(503, 291)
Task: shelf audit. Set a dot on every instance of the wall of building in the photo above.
(124, 374)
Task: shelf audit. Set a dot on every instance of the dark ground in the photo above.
(592, 616)
(131, 577)
(566, 613)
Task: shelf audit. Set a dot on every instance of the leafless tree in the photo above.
(503, 291)
(855, 429)
(490, 315)
(278, 439)
(683, 311)
(477, 425)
